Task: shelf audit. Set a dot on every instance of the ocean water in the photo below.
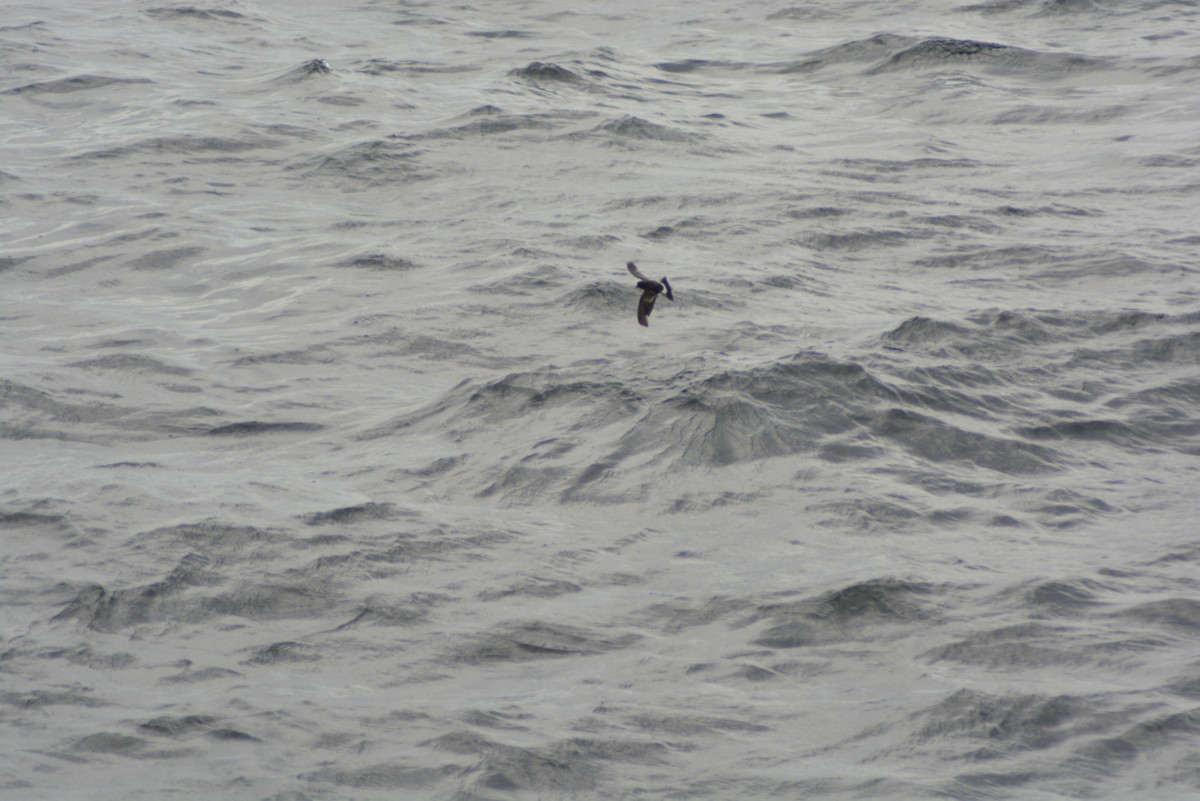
(336, 466)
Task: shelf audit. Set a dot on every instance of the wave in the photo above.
(630, 128)
(887, 53)
(540, 72)
(219, 146)
(378, 162)
(172, 13)
(76, 83)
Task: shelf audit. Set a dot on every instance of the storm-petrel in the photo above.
(650, 292)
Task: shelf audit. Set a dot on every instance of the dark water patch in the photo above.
(192, 675)
(109, 743)
(532, 587)
(210, 537)
(382, 776)
(521, 398)
(216, 146)
(1142, 355)
(251, 428)
(1003, 338)
(560, 768)
(393, 554)
(495, 124)
(503, 33)
(1177, 614)
(44, 406)
(1091, 9)
(526, 482)
(1170, 413)
(853, 241)
(958, 222)
(39, 699)
(609, 749)
(1189, 552)
(606, 298)
(383, 66)
(1048, 262)
(876, 166)
(104, 610)
(1112, 755)
(1024, 646)
(379, 162)
(21, 519)
(696, 227)
(87, 657)
(693, 502)
(74, 267)
(1114, 432)
(273, 601)
(989, 726)
(313, 68)
(807, 403)
(866, 514)
(173, 13)
(923, 331)
(541, 71)
(1065, 598)
(939, 483)
(9, 262)
(699, 64)
(938, 442)
(167, 259)
(493, 719)
(402, 342)
(381, 262)
(1186, 687)
(831, 616)
(315, 354)
(538, 640)
(630, 129)
(181, 726)
(283, 653)
(233, 735)
(675, 616)
(849, 53)
(349, 515)
(1178, 349)
(132, 363)
(1120, 322)
(677, 725)
(1057, 115)
(818, 212)
(76, 83)
(526, 282)
(136, 465)
(379, 612)
(942, 53)
(785, 408)
(1067, 509)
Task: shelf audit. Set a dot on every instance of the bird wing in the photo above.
(636, 272)
(645, 306)
(668, 287)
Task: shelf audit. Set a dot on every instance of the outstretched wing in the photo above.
(636, 272)
(645, 306)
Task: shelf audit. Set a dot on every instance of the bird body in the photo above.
(651, 289)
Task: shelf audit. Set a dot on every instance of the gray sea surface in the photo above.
(334, 464)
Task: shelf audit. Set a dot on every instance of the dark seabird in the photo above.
(650, 292)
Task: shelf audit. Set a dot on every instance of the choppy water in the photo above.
(335, 465)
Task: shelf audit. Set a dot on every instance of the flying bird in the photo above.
(650, 292)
